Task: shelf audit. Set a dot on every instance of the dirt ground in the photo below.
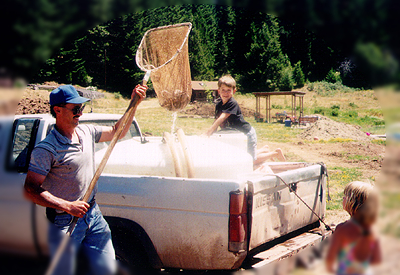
(342, 154)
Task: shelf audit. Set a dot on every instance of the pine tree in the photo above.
(298, 75)
(265, 58)
(203, 42)
(225, 58)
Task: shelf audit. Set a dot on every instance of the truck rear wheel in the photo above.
(130, 254)
(134, 250)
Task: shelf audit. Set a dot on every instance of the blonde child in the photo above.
(354, 246)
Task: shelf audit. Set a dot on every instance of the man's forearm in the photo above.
(40, 196)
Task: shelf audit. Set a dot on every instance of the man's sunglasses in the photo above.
(76, 110)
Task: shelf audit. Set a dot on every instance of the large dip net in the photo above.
(163, 51)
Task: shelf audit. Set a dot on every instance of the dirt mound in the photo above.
(208, 110)
(325, 128)
(247, 112)
(7, 107)
(32, 106)
(200, 109)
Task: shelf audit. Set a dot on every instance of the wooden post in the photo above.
(294, 105)
(257, 106)
(268, 108)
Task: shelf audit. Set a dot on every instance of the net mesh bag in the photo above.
(164, 52)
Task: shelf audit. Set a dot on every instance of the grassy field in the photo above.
(355, 107)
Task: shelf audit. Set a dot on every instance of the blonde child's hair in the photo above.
(362, 202)
(228, 81)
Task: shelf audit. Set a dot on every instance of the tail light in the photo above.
(237, 221)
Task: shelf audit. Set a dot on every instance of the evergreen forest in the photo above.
(262, 52)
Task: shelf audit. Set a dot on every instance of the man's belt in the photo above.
(51, 213)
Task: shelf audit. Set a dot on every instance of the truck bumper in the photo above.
(294, 247)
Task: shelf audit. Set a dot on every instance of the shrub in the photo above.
(351, 114)
(83, 78)
(277, 106)
(369, 120)
(333, 76)
(319, 110)
(335, 107)
(209, 96)
(351, 104)
(375, 112)
(379, 122)
(310, 86)
(325, 88)
(286, 82)
(335, 112)
(117, 95)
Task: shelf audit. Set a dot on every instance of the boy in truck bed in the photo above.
(229, 114)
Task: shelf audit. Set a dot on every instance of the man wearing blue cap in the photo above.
(61, 169)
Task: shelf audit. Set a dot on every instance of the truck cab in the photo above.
(24, 225)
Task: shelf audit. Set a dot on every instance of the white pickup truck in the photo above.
(217, 217)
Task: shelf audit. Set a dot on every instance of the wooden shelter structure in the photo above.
(267, 95)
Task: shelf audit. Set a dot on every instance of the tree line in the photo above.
(262, 52)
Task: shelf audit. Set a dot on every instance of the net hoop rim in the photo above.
(160, 28)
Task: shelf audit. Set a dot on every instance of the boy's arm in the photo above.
(217, 123)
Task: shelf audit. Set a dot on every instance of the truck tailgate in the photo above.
(276, 210)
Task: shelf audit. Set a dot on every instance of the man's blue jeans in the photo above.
(92, 234)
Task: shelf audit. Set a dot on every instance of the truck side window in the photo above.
(133, 131)
(23, 141)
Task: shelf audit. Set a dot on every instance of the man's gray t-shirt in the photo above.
(68, 167)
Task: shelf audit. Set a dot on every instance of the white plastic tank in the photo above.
(211, 158)
(232, 137)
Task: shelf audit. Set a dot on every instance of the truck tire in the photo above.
(131, 252)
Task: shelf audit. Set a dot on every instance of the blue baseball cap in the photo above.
(66, 94)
